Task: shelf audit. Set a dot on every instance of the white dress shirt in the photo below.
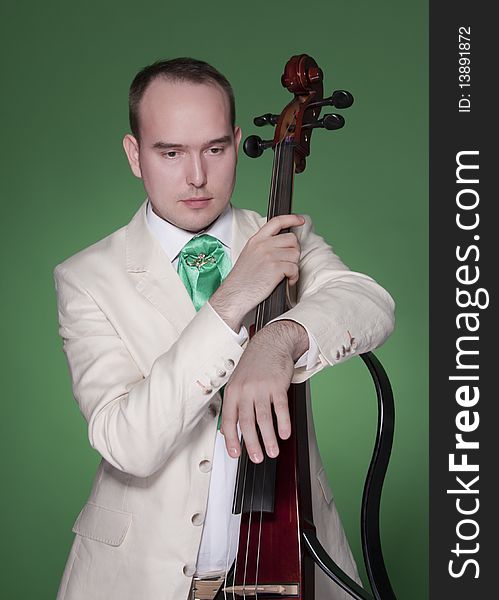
(219, 538)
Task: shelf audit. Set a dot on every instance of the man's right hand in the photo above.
(263, 263)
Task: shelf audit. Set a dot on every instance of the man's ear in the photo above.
(131, 147)
(237, 138)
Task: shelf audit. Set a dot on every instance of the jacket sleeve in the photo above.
(347, 313)
(136, 422)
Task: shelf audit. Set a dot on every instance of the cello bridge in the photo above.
(281, 589)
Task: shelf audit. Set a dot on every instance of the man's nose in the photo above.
(196, 173)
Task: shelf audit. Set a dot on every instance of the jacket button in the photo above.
(205, 466)
(188, 570)
(215, 382)
(221, 372)
(229, 364)
(207, 390)
(197, 519)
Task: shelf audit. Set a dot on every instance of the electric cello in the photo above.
(278, 546)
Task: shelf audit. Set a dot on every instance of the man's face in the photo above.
(187, 152)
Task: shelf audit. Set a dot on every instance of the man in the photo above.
(148, 355)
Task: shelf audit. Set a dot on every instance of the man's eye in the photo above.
(170, 154)
(216, 150)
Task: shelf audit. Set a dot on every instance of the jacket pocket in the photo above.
(324, 485)
(102, 524)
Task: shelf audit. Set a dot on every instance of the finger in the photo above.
(291, 271)
(274, 226)
(266, 425)
(290, 254)
(281, 409)
(248, 430)
(229, 426)
(285, 264)
(285, 240)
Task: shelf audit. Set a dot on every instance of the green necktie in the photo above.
(202, 266)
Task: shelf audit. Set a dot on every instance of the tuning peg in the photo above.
(338, 99)
(341, 99)
(254, 146)
(266, 119)
(330, 122)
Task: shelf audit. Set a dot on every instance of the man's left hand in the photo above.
(260, 381)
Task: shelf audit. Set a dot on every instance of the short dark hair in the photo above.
(175, 69)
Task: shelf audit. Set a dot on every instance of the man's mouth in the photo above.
(196, 202)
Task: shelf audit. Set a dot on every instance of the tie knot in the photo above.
(202, 266)
(202, 252)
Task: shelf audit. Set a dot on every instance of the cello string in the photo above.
(287, 160)
(231, 539)
(249, 535)
(260, 531)
(229, 545)
(277, 160)
(258, 323)
(239, 534)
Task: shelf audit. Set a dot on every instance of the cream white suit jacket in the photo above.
(146, 370)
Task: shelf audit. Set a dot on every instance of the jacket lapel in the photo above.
(154, 276)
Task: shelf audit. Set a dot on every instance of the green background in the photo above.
(65, 183)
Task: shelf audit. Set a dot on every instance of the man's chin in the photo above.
(198, 224)
(200, 219)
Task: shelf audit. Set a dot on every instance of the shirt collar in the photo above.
(173, 239)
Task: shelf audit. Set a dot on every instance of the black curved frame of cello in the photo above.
(371, 500)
